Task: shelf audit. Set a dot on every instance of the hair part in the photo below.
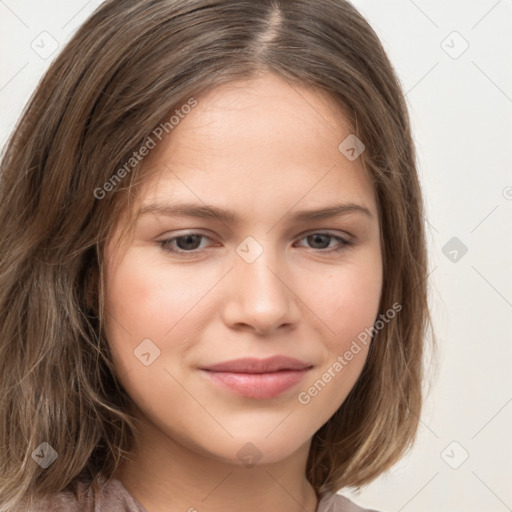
(128, 66)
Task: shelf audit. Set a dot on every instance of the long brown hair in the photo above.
(131, 64)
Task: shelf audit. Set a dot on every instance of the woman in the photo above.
(213, 291)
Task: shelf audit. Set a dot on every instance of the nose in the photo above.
(260, 297)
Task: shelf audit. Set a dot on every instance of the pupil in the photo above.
(321, 237)
(189, 240)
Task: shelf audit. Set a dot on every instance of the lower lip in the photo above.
(257, 385)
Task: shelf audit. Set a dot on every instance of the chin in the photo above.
(250, 450)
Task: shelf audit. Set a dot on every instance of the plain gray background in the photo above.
(454, 61)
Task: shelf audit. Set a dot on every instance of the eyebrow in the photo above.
(226, 215)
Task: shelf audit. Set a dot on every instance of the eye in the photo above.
(321, 241)
(189, 244)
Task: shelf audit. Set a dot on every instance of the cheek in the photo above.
(145, 300)
(346, 299)
(170, 305)
(149, 298)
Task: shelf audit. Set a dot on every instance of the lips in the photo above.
(253, 365)
(257, 378)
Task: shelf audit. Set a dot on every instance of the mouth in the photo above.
(257, 378)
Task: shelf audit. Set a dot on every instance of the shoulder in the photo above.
(105, 495)
(333, 502)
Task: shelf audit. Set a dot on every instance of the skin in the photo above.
(266, 150)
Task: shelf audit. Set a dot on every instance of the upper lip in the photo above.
(254, 365)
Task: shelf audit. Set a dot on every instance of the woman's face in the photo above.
(194, 289)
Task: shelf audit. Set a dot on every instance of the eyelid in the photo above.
(335, 233)
(332, 232)
(347, 236)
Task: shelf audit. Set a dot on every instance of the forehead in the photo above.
(264, 114)
(251, 144)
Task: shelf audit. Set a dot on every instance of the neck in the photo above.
(164, 475)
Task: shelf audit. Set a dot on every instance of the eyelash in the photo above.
(166, 244)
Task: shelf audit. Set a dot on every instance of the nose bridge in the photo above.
(257, 266)
(259, 297)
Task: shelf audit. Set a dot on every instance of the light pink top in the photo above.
(114, 497)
